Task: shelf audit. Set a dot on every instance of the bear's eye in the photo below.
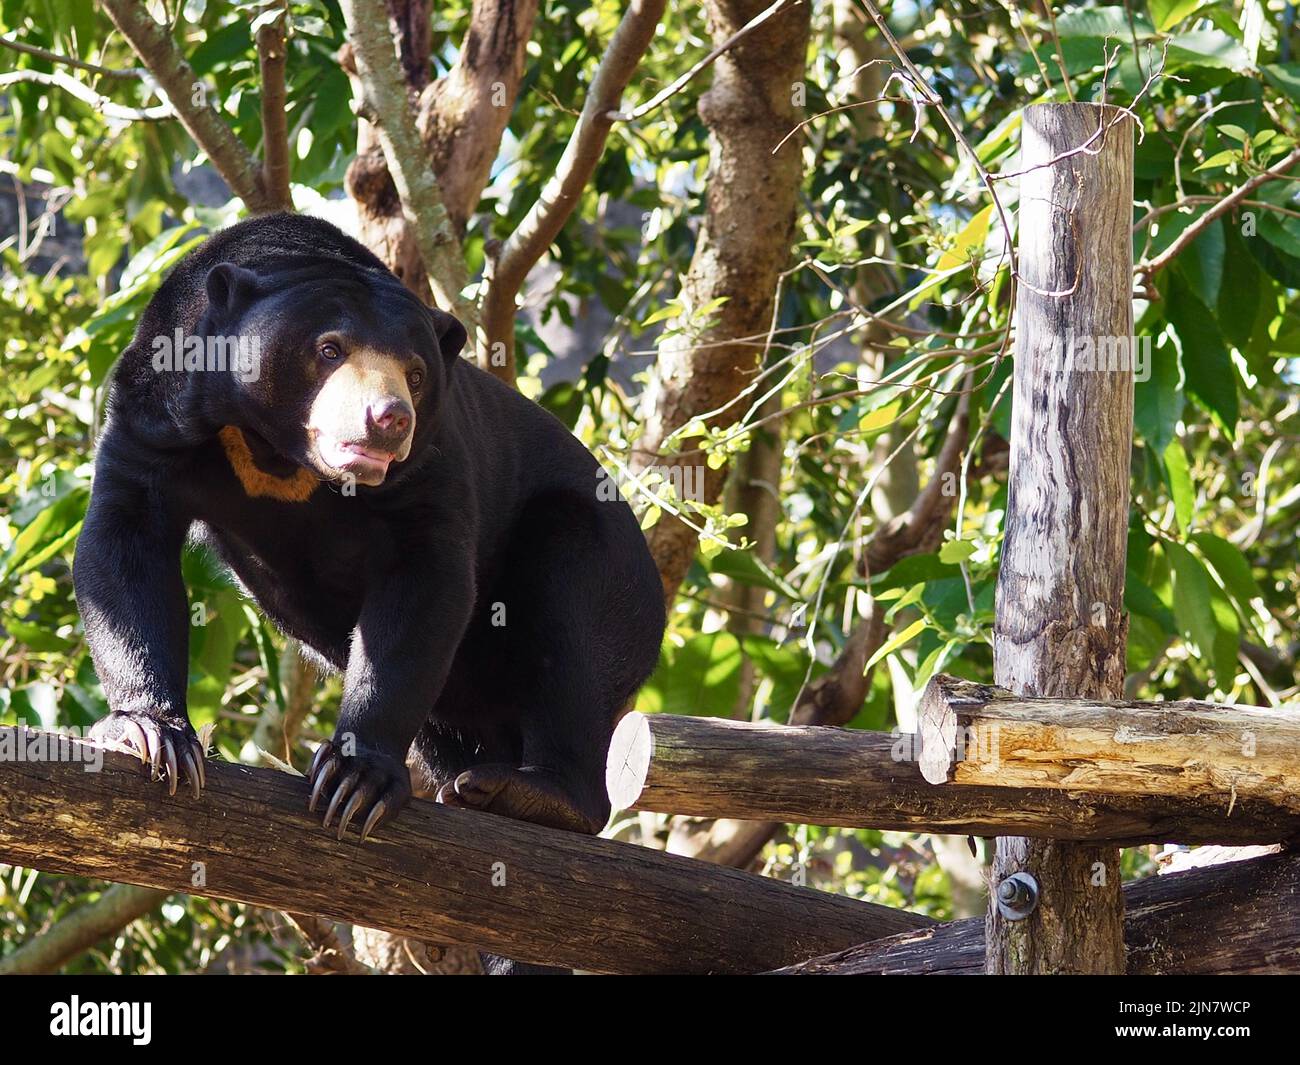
(416, 378)
(329, 351)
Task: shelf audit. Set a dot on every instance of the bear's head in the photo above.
(344, 368)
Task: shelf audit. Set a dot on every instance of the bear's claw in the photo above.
(364, 778)
(157, 743)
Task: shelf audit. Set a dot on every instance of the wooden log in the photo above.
(436, 873)
(1234, 919)
(1060, 627)
(713, 767)
(981, 734)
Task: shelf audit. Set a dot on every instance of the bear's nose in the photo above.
(391, 416)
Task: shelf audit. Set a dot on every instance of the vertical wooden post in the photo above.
(1061, 628)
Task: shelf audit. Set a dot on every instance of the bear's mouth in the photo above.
(368, 464)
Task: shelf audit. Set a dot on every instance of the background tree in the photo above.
(752, 258)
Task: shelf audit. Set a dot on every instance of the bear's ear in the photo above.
(230, 288)
(450, 334)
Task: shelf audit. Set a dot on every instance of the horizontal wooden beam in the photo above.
(1233, 919)
(711, 767)
(978, 734)
(435, 873)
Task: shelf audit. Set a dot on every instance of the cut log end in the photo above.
(628, 764)
(937, 724)
(942, 725)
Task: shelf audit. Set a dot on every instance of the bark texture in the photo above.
(744, 243)
(382, 86)
(276, 162)
(436, 873)
(1234, 920)
(978, 734)
(714, 767)
(460, 117)
(1061, 629)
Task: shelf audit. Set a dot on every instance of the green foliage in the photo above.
(893, 219)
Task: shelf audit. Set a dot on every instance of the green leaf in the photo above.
(1239, 300)
(955, 551)
(563, 399)
(702, 677)
(1207, 363)
(37, 638)
(1232, 567)
(1103, 22)
(1192, 609)
(1202, 262)
(1140, 599)
(747, 568)
(1206, 48)
(914, 569)
(969, 242)
(1227, 640)
(785, 665)
(50, 531)
(1158, 401)
(1168, 13)
(1284, 76)
(1178, 477)
(896, 641)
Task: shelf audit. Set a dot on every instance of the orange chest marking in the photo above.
(257, 482)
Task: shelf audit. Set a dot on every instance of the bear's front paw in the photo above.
(164, 745)
(367, 779)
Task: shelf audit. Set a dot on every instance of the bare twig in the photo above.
(1151, 267)
(680, 83)
(106, 107)
(54, 57)
(1190, 201)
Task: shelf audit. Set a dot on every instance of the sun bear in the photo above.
(423, 528)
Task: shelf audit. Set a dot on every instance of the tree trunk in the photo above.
(1061, 629)
(461, 119)
(743, 245)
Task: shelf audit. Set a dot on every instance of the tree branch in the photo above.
(676, 86)
(1239, 918)
(436, 873)
(106, 107)
(329, 954)
(81, 929)
(54, 57)
(275, 124)
(853, 778)
(380, 74)
(154, 44)
(1153, 266)
(562, 191)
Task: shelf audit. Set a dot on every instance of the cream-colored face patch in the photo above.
(338, 420)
